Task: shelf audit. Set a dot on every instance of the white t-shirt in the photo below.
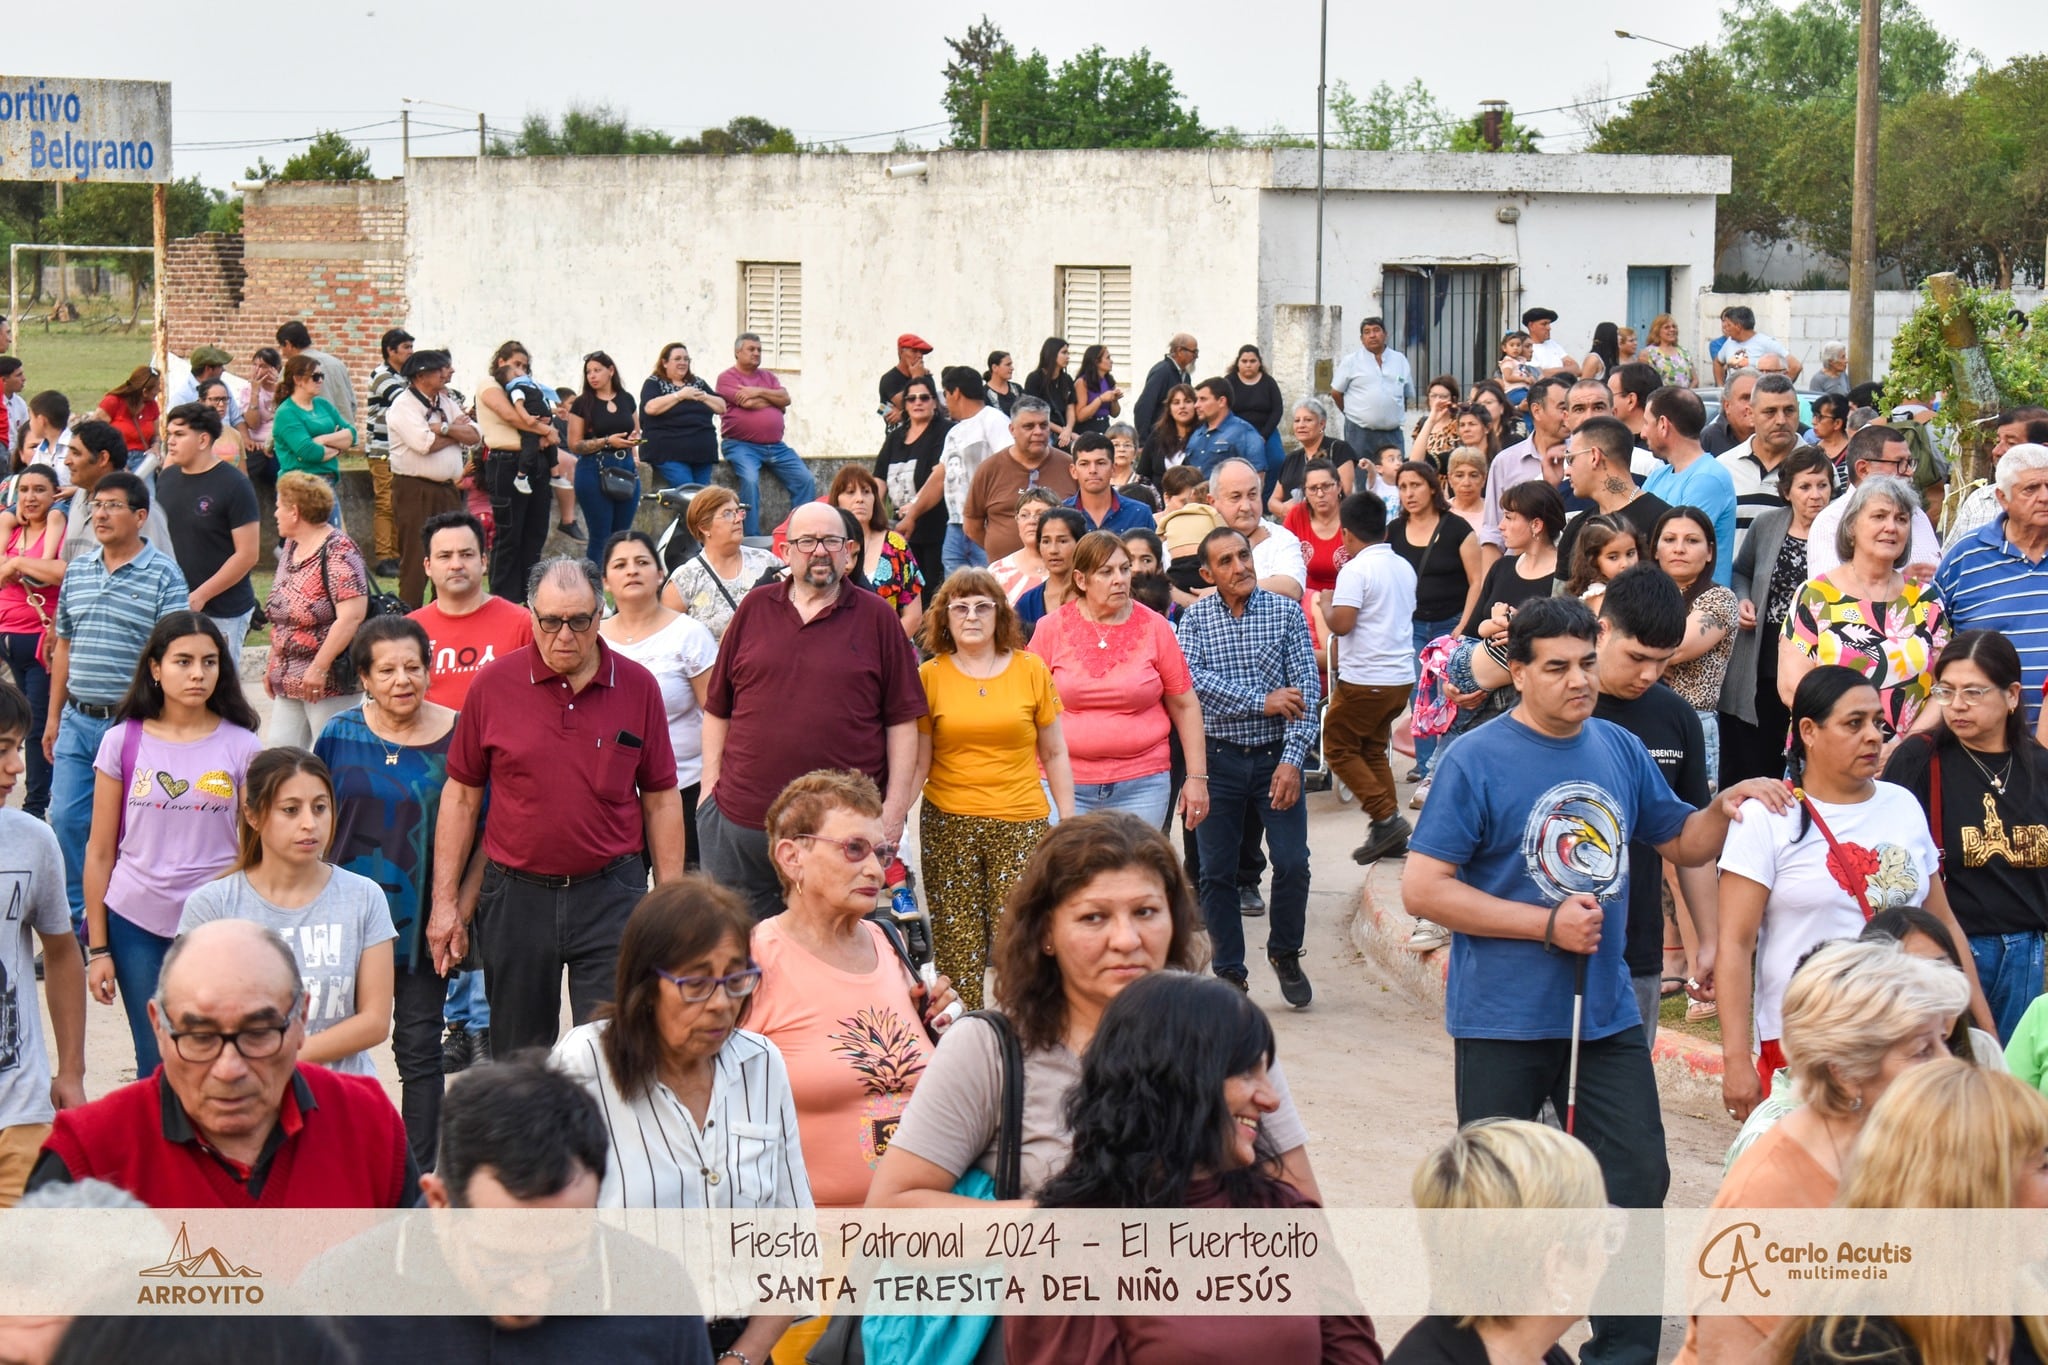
(1380, 650)
(1548, 355)
(968, 443)
(32, 881)
(1279, 555)
(1758, 344)
(1886, 837)
(678, 652)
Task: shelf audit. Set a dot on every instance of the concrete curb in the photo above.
(1379, 931)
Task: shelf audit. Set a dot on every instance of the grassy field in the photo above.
(81, 360)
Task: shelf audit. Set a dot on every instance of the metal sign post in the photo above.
(61, 129)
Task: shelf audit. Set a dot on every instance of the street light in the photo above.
(1646, 38)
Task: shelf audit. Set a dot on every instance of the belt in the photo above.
(1247, 748)
(558, 883)
(93, 710)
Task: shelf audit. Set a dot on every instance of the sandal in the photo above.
(1670, 986)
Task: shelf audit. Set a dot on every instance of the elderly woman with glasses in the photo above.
(308, 434)
(836, 998)
(709, 584)
(994, 718)
(318, 599)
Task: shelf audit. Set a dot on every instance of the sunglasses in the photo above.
(553, 625)
(857, 850)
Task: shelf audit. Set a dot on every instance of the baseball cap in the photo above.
(913, 342)
(209, 355)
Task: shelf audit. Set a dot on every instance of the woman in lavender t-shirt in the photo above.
(164, 810)
(337, 924)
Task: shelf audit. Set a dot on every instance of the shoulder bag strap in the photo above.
(1010, 1136)
(1935, 824)
(716, 581)
(131, 745)
(1834, 848)
(1422, 565)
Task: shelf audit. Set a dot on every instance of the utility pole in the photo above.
(984, 125)
(481, 149)
(1322, 103)
(404, 138)
(1863, 206)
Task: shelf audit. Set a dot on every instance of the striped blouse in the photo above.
(746, 1156)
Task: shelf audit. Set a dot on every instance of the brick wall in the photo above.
(329, 254)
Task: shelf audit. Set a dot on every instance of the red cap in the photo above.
(914, 342)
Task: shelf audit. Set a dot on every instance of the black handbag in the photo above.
(620, 483)
(341, 674)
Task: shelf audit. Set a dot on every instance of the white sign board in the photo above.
(55, 128)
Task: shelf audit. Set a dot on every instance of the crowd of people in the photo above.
(1680, 685)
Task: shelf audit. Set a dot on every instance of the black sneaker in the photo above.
(1386, 838)
(1250, 903)
(482, 1055)
(387, 568)
(572, 530)
(458, 1050)
(1294, 987)
(1237, 979)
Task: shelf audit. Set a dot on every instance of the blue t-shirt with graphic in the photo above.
(1533, 819)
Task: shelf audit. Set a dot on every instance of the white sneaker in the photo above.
(1421, 794)
(1427, 937)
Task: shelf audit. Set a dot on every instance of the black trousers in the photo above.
(523, 519)
(1618, 1119)
(528, 934)
(1756, 750)
(416, 1000)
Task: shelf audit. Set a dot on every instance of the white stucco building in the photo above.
(829, 257)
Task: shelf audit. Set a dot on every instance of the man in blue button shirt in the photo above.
(1097, 502)
(1220, 434)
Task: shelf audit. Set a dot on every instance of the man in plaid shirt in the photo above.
(1255, 674)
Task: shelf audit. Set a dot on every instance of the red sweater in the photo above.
(342, 1146)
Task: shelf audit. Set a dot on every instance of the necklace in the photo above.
(997, 663)
(1998, 782)
(1101, 629)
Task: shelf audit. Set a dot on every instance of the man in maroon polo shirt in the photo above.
(572, 739)
(811, 674)
(231, 1120)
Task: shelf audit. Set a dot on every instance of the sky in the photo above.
(855, 74)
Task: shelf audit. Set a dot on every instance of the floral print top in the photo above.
(301, 607)
(1672, 369)
(1893, 644)
(894, 575)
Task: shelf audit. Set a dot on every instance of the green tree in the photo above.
(104, 214)
(1094, 99)
(1388, 120)
(1470, 136)
(1811, 52)
(600, 130)
(329, 156)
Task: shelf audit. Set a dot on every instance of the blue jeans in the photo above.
(235, 629)
(1368, 442)
(1425, 631)
(960, 552)
(34, 680)
(2009, 966)
(138, 960)
(467, 1004)
(1145, 797)
(1240, 779)
(71, 787)
(747, 459)
(676, 473)
(602, 517)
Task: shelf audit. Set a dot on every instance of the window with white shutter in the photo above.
(772, 307)
(1095, 309)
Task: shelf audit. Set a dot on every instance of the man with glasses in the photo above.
(214, 507)
(112, 599)
(989, 515)
(1876, 449)
(1177, 368)
(232, 1120)
(572, 740)
(208, 363)
(810, 675)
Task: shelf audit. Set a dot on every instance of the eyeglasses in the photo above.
(918, 398)
(810, 545)
(857, 850)
(552, 625)
(254, 1043)
(216, 402)
(736, 512)
(980, 606)
(695, 990)
(1944, 695)
(110, 508)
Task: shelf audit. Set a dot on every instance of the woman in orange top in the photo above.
(834, 997)
(132, 409)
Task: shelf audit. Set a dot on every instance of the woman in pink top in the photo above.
(835, 999)
(1125, 687)
(30, 573)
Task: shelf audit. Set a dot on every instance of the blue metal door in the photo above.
(1649, 293)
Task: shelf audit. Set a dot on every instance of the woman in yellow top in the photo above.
(994, 718)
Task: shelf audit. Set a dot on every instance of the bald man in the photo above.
(1176, 368)
(231, 1120)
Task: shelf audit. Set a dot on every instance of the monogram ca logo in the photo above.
(218, 1279)
(1725, 1258)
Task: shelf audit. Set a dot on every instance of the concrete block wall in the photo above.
(329, 254)
(1805, 318)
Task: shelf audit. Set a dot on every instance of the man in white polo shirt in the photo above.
(1369, 613)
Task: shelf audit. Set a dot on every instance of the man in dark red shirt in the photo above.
(811, 674)
(572, 739)
(231, 1120)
